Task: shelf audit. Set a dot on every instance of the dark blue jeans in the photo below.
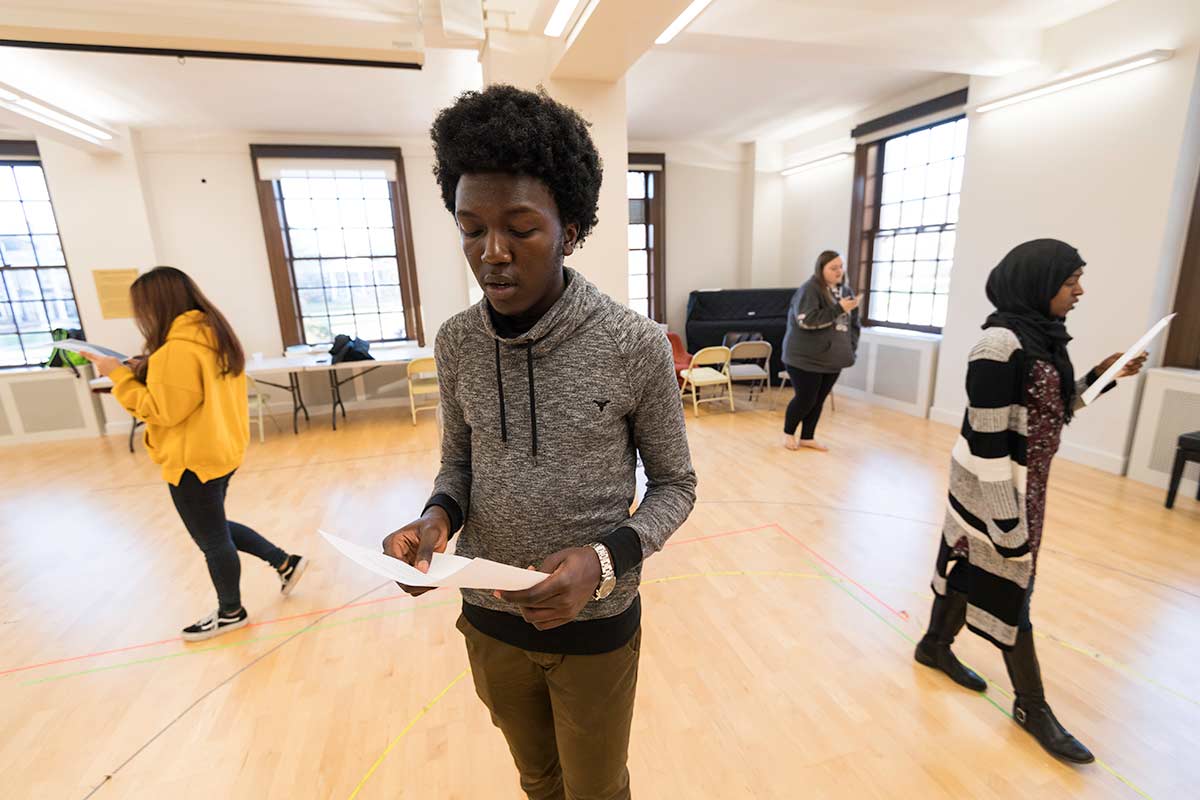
(201, 506)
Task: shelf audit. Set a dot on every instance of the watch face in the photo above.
(606, 587)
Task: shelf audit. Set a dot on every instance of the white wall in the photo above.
(1101, 166)
(703, 218)
(816, 217)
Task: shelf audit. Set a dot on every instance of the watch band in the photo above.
(608, 575)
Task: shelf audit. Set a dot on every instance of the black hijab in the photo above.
(1021, 288)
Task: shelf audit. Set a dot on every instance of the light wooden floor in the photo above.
(779, 627)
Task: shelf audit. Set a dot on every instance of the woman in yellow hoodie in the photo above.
(190, 390)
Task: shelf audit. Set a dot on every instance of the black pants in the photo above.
(957, 581)
(811, 389)
(201, 506)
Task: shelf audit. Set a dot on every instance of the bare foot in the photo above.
(813, 444)
(789, 441)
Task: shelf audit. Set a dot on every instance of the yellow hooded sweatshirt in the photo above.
(195, 418)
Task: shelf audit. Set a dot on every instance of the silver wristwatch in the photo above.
(608, 576)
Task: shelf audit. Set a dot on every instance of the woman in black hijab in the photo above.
(1021, 391)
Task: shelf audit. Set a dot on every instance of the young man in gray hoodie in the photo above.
(550, 390)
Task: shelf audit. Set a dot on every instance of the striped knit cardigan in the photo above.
(986, 504)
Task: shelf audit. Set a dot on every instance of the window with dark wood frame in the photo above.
(646, 189)
(37, 295)
(339, 244)
(904, 215)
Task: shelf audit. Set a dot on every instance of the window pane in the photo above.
(924, 273)
(941, 142)
(392, 326)
(361, 271)
(889, 216)
(637, 237)
(939, 310)
(952, 209)
(22, 284)
(639, 287)
(7, 323)
(316, 330)
(17, 251)
(910, 214)
(49, 250)
(349, 187)
(917, 148)
(294, 187)
(935, 211)
(12, 219)
(914, 183)
(927, 246)
(62, 314)
(946, 248)
(304, 244)
(11, 353)
(635, 185)
(383, 242)
(637, 262)
(339, 303)
(357, 242)
(898, 308)
(334, 272)
(960, 137)
(906, 246)
(902, 276)
(353, 211)
(881, 277)
(330, 242)
(299, 212)
(893, 187)
(379, 213)
(389, 298)
(38, 347)
(883, 247)
(8, 185)
(942, 285)
(376, 187)
(894, 155)
(937, 179)
(326, 213)
(920, 311)
(956, 175)
(312, 302)
(31, 317)
(364, 300)
(640, 306)
(322, 187)
(386, 270)
(368, 327)
(307, 272)
(343, 324)
(877, 306)
(30, 183)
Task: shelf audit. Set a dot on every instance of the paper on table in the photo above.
(444, 570)
(79, 346)
(1110, 374)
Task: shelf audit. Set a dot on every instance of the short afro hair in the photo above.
(506, 129)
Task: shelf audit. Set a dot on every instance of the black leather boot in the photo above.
(1030, 710)
(946, 619)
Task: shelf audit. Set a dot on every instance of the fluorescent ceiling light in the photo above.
(583, 18)
(1099, 73)
(40, 112)
(682, 21)
(560, 17)
(819, 162)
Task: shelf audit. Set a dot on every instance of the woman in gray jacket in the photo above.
(821, 341)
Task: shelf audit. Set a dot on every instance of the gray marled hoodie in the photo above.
(542, 433)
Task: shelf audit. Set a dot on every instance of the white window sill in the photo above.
(885, 332)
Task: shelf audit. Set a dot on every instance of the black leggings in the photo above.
(811, 389)
(201, 506)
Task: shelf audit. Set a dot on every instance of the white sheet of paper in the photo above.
(444, 570)
(1110, 374)
(77, 346)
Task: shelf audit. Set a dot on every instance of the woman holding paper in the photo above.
(1021, 391)
(821, 341)
(190, 390)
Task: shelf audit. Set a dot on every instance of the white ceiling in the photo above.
(747, 69)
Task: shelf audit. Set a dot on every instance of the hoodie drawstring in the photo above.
(500, 390)
(532, 400)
